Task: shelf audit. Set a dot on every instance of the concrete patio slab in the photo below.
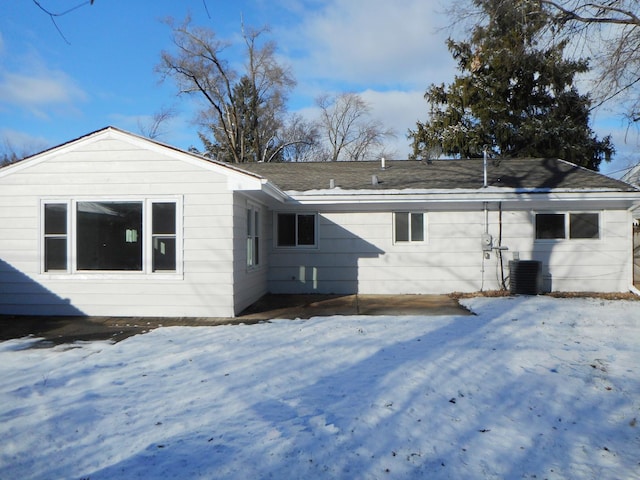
(59, 330)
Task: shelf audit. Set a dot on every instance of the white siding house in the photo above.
(112, 224)
(103, 176)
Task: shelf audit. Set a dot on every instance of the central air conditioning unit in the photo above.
(525, 277)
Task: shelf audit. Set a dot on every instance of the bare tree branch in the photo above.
(594, 12)
(347, 128)
(154, 128)
(53, 15)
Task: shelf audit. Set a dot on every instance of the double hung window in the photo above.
(110, 236)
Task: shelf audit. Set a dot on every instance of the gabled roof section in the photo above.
(238, 177)
(521, 174)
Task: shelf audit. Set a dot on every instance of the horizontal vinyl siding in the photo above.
(576, 265)
(347, 263)
(451, 259)
(249, 283)
(110, 170)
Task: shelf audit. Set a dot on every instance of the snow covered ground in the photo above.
(530, 387)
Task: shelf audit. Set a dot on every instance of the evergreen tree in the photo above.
(513, 97)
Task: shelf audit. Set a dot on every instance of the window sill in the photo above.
(78, 276)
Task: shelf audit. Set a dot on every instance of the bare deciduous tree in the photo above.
(610, 31)
(303, 144)
(242, 111)
(347, 129)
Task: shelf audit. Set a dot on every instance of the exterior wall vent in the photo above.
(525, 277)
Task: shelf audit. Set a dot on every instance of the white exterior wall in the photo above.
(356, 254)
(250, 282)
(111, 169)
(576, 265)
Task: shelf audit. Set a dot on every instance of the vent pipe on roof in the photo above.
(484, 166)
(332, 183)
(374, 180)
(382, 162)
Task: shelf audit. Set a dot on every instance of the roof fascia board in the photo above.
(460, 197)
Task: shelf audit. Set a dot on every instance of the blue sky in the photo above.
(52, 91)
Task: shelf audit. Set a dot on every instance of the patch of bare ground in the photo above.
(506, 293)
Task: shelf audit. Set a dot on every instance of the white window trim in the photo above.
(41, 236)
(425, 221)
(316, 231)
(147, 247)
(567, 226)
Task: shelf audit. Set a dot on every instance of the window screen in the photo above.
(584, 225)
(402, 227)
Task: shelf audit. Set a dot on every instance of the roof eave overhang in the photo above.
(344, 197)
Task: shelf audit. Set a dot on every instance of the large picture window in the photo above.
(409, 227)
(110, 236)
(296, 230)
(571, 225)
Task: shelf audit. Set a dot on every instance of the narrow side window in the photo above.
(55, 236)
(253, 237)
(164, 236)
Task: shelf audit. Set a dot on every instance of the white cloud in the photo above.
(388, 52)
(39, 90)
(372, 43)
(398, 110)
(21, 143)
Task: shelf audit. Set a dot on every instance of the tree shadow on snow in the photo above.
(464, 400)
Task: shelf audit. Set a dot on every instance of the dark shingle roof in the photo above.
(521, 173)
